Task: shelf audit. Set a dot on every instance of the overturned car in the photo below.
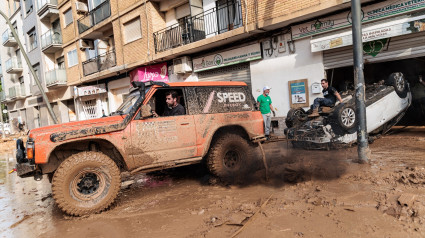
(386, 103)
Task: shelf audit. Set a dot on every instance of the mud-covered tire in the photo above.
(343, 119)
(295, 117)
(230, 156)
(398, 81)
(86, 183)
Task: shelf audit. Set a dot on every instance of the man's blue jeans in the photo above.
(322, 102)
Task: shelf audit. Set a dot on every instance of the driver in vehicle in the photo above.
(330, 95)
(173, 107)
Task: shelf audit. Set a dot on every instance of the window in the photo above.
(28, 6)
(37, 72)
(32, 39)
(132, 30)
(72, 58)
(61, 62)
(68, 16)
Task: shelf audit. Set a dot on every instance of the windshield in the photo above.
(128, 103)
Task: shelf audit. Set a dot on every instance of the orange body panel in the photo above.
(154, 140)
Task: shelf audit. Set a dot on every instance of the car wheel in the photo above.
(398, 81)
(229, 156)
(85, 183)
(295, 117)
(344, 119)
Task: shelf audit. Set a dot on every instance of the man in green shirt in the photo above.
(265, 103)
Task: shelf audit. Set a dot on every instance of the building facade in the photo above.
(91, 50)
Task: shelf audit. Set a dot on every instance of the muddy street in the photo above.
(308, 194)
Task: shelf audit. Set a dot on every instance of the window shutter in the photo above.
(132, 30)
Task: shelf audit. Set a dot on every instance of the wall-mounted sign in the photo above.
(91, 90)
(157, 72)
(298, 93)
(235, 56)
(370, 13)
(402, 26)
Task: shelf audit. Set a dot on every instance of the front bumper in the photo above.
(24, 167)
(25, 170)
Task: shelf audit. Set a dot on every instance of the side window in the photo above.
(223, 99)
(168, 102)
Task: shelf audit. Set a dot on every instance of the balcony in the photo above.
(51, 42)
(99, 63)
(55, 78)
(94, 17)
(47, 9)
(8, 39)
(13, 66)
(16, 92)
(191, 29)
(2, 96)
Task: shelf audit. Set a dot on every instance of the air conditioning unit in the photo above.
(81, 7)
(182, 65)
(85, 44)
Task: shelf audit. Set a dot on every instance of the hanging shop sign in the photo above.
(226, 58)
(402, 26)
(90, 90)
(369, 13)
(157, 72)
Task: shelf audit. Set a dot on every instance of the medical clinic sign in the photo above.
(157, 72)
(369, 13)
(235, 56)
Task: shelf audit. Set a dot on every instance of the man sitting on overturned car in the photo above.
(330, 95)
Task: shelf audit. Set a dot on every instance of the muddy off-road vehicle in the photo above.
(84, 159)
(386, 103)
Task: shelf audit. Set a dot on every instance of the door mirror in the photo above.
(146, 111)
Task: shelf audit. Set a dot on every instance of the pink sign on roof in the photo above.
(157, 72)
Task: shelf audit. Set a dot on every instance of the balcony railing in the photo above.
(47, 9)
(2, 96)
(99, 63)
(43, 3)
(51, 39)
(55, 77)
(190, 29)
(13, 65)
(16, 92)
(8, 39)
(94, 17)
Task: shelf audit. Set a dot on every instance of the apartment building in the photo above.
(36, 23)
(91, 50)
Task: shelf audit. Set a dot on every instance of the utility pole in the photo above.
(49, 107)
(362, 136)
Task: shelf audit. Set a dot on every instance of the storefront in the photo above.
(231, 65)
(91, 101)
(393, 33)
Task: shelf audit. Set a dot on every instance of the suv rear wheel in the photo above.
(229, 156)
(85, 183)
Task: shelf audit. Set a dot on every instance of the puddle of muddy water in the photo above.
(22, 201)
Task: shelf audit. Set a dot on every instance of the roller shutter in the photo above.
(238, 72)
(401, 47)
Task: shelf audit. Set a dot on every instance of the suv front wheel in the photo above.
(229, 156)
(85, 183)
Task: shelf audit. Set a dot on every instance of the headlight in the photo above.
(30, 149)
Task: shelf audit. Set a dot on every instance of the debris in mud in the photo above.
(46, 197)
(413, 176)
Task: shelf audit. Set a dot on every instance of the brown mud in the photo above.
(309, 194)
